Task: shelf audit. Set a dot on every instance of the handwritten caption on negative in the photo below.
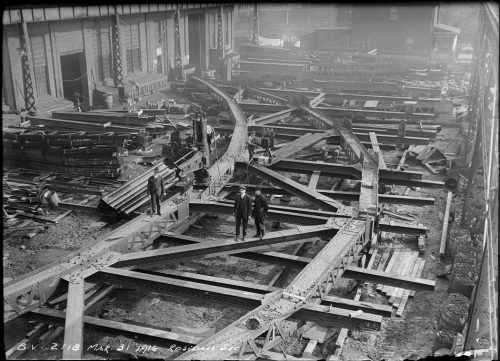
(123, 348)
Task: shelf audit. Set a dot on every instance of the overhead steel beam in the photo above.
(73, 325)
(271, 118)
(345, 303)
(299, 144)
(270, 257)
(317, 100)
(336, 170)
(296, 215)
(394, 280)
(262, 108)
(274, 214)
(403, 228)
(342, 112)
(224, 247)
(299, 190)
(109, 327)
(328, 316)
(214, 281)
(167, 285)
(344, 196)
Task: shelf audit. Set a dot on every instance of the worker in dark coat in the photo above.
(156, 190)
(260, 208)
(242, 210)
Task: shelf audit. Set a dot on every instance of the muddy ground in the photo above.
(411, 336)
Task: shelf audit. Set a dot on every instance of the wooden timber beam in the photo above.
(394, 280)
(444, 233)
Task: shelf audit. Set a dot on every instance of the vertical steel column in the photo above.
(177, 45)
(220, 40)
(117, 57)
(255, 35)
(25, 53)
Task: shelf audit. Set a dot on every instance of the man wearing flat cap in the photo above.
(242, 209)
(260, 208)
(156, 190)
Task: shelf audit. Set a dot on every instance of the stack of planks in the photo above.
(401, 262)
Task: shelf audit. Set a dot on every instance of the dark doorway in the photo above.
(74, 77)
(197, 46)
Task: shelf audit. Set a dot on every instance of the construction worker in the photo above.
(156, 190)
(241, 211)
(260, 208)
(178, 172)
(251, 146)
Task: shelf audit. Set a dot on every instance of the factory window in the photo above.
(227, 24)
(40, 64)
(365, 40)
(212, 28)
(133, 48)
(102, 51)
(393, 13)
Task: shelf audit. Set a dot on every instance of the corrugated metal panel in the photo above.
(162, 7)
(134, 9)
(144, 8)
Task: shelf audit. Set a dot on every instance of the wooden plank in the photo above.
(396, 268)
(419, 274)
(399, 294)
(73, 327)
(444, 234)
(313, 181)
(389, 267)
(402, 160)
(372, 259)
(408, 264)
(406, 293)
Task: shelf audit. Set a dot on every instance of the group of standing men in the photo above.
(242, 204)
(243, 209)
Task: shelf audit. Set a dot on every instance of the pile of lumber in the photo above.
(80, 157)
(401, 262)
(429, 154)
(22, 200)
